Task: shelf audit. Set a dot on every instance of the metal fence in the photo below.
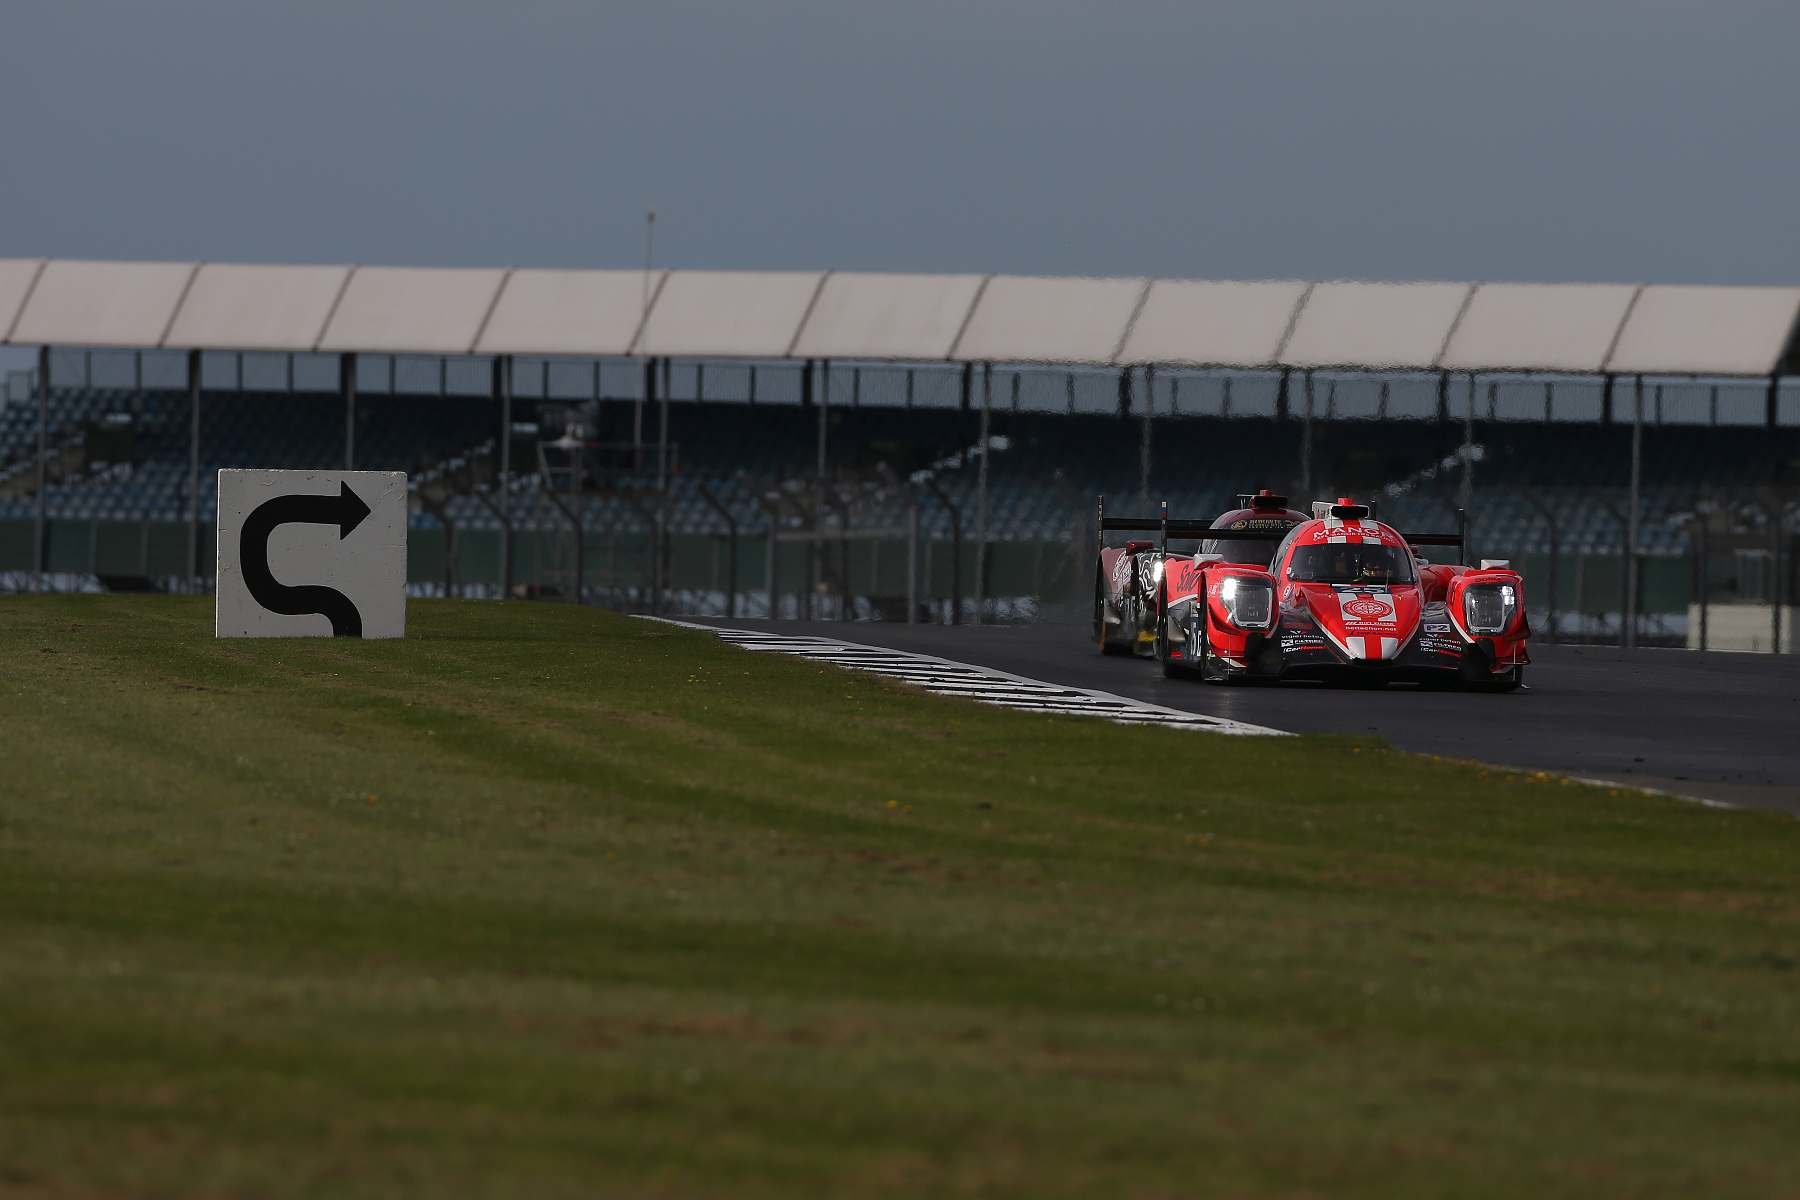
(1639, 526)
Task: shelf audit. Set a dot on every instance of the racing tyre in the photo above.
(1512, 681)
(1170, 668)
(1197, 637)
(1100, 639)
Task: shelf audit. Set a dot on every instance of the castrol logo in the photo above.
(1366, 609)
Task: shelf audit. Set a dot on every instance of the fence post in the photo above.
(1775, 579)
(503, 388)
(981, 496)
(814, 546)
(40, 558)
(1631, 537)
(731, 548)
(1550, 523)
(573, 516)
(955, 549)
(1703, 577)
(769, 564)
(347, 391)
(912, 555)
(194, 380)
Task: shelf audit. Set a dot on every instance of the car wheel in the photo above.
(1100, 639)
(1170, 668)
(1512, 681)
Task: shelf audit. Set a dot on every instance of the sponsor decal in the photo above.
(1436, 627)
(1121, 573)
(1367, 608)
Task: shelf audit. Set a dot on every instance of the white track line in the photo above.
(984, 685)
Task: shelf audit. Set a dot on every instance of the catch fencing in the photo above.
(1642, 511)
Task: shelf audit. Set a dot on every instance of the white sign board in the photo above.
(312, 554)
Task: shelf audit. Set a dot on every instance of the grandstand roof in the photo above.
(1582, 328)
(1376, 326)
(103, 303)
(1208, 324)
(16, 277)
(568, 312)
(257, 308)
(1707, 330)
(729, 314)
(1024, 318)
(1539, 326)
(412, 310)
(866, 315)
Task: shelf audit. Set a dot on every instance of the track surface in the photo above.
(1723, 727)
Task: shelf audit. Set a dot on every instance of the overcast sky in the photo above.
(1511, 139)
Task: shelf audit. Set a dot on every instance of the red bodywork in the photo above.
(1407, 621)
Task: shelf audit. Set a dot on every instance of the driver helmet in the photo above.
(1375, 566)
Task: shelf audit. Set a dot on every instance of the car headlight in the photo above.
(1250, 603)
(1490, 608)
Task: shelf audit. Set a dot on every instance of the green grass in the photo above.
(543, 902)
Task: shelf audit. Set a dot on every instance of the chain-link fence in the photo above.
(1641, 511)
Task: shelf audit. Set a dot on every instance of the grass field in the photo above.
(544, 902)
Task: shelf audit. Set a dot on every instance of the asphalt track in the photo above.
(1719, 727)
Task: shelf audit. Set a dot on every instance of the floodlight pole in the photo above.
(39, 551)
(193, 538)
(1144, 441)
(347, 389)
(646, 396)
(1306, 415)
(981, 494)
(1466, 490)
(1629, 639)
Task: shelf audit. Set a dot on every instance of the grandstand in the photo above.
(755, 417)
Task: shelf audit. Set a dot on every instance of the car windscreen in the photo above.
(1351, 563)
(1248, 553)
(1254, 552)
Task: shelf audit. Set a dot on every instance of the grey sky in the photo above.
(1512, 139)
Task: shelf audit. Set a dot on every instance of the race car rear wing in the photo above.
(1166, 528)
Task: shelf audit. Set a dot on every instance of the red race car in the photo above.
(1343, 598)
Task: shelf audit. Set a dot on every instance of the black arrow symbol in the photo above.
(346, 510)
